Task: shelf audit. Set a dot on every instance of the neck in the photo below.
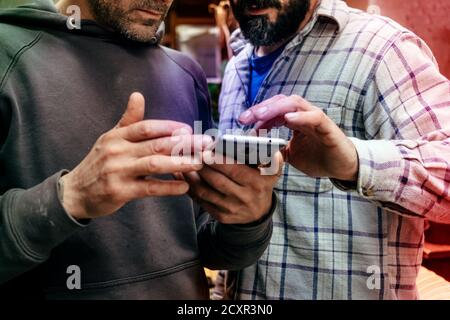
(265, 50)
(85, 9)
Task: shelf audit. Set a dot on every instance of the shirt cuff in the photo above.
(380, 170)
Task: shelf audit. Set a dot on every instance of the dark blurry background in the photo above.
(192, 28)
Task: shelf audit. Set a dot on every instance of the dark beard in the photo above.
(259, 30)
(109, 14)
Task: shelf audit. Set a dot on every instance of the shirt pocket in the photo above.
(297, 180)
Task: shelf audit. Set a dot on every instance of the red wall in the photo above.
(430, 19)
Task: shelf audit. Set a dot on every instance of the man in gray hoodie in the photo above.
(70, 158)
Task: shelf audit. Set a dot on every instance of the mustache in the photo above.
(245, 5)
(153, 5)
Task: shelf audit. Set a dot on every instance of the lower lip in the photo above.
(258, 12)
(150, 14)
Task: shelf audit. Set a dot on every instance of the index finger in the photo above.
(152, 129)
(272, 109)
(249, 117)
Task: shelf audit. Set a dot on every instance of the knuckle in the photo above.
(112, 150)
(321, 114)
(151, 165)
(103, 138)
(246, 197)
(151, 189)
(155, 147)
(222, 218)
(295, 99)
(234, 210)
(101, 143)
(145, 129)
(201, 192)
(111, 189)
(150, 148)
(220, 185)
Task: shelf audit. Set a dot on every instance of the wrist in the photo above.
(69, 198)
(350, 174)
(268, 213)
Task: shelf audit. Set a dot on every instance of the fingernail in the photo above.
(247, 114)
(291, 116)
(208, 157)
(207, 141)
(261, 111)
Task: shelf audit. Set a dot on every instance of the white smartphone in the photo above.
(249, 150)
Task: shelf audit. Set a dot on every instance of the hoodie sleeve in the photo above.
(232, 246)
(33, 221)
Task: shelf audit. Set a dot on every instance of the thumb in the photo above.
(135, 110)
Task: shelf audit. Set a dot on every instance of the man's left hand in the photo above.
(233, 193)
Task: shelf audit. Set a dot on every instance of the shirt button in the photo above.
(368, 192)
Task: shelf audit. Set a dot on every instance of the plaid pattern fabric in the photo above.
(380, 83)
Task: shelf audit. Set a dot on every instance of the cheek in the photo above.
(286, 3)
(124, 3)
(273, 16)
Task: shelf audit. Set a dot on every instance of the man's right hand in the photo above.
(118, 168)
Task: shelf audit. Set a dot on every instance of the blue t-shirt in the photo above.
(260, 67)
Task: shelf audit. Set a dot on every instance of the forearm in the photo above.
(405, 163)
(234, 247)
(406, 177)
(32, 223)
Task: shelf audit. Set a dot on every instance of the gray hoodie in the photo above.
(60, 89)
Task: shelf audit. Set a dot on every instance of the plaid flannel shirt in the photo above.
(381, 85)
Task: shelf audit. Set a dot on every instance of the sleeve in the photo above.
(227, 98)
(234, 247)
(32, 222)
(204, 104)
(405, 159)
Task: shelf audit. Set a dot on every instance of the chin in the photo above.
(140, 32)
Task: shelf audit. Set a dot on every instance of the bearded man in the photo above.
(367, 114)
(70, 158)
